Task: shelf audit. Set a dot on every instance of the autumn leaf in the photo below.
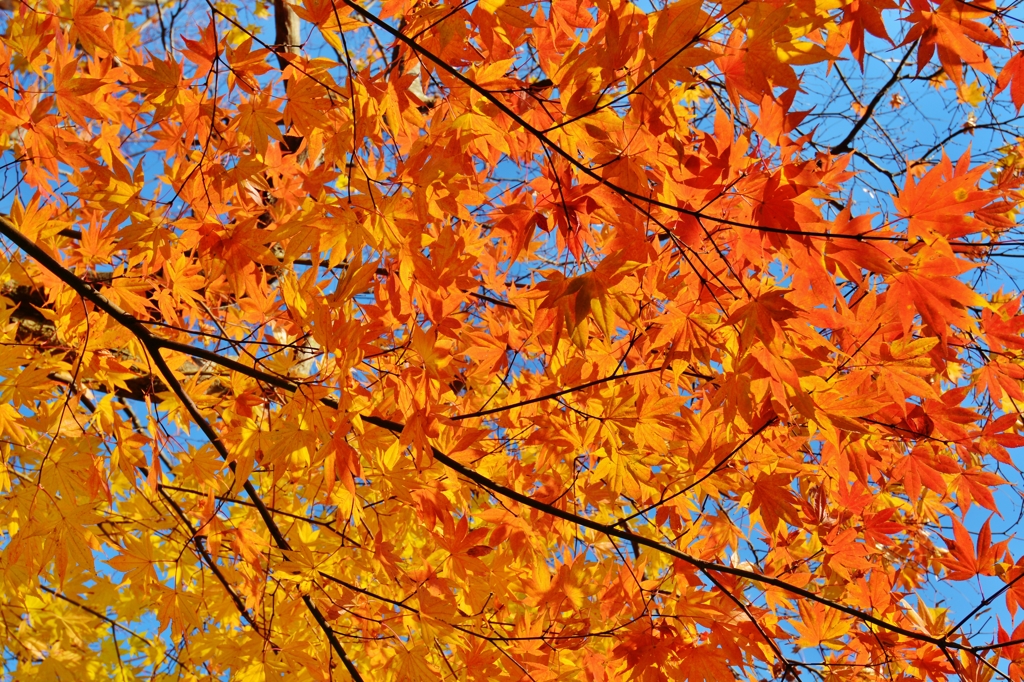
(819, 626)
(1011, 76)
(771, 497)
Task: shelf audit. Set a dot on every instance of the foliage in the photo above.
(502, 341)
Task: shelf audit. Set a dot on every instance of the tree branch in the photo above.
(154, 344)
(845, 145)
(286, 32)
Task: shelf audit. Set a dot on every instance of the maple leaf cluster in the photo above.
(506, 341)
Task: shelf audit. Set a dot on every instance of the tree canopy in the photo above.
(496, 340)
